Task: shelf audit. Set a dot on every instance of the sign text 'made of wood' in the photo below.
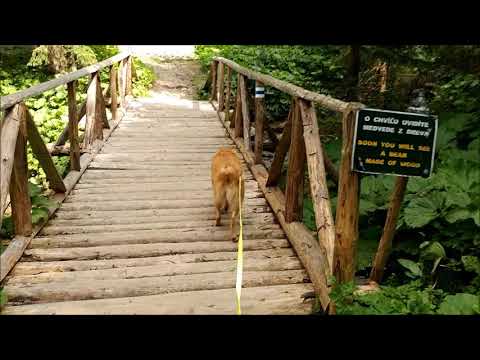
(395, 143)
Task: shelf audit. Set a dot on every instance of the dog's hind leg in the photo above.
(219, 200)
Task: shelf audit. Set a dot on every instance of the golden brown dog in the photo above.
(226, 173)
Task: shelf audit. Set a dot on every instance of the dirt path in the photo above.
(180, 78)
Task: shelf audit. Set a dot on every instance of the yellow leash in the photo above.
(238, 285)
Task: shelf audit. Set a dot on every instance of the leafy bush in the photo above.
(21, 68)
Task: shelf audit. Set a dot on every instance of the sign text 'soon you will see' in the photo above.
(396, 143)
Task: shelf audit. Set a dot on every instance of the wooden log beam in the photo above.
(259, 121)
(17, 246)
(40, 151)
(101, 108)
(281, 151)
(238, 111)
(113, 92)
(385, 245)
(305, 245)
(318, 182)
(296, 91)
(347, 205)
(9, 133)
(94, 124)
(128, 76)
(62, 139)
(296, 161)
(221, 86)
(73, 125)
(213, 72)
(228, 95)
(19, 195)
(245, 112)
(121, 82)
(10, 100)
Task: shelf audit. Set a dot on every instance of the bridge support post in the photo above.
(346, 221)
(296, 166)
(19, 195)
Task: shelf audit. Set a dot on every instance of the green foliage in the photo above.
(69, 57)
(40, 205)
(3, 298)
(21, 68)
(460, 304)
(143, 80)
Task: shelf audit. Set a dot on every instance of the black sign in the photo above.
(395, 143)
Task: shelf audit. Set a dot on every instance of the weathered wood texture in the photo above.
(73, 127)
(10, 100)
(10, 126)
(295, 174)
(306, 246)
(238, 110)
(19, 198)
(41, 153)
(18, 245)
(318, 182)
(113, 93)
(385, 245)
(118, 235)
(245, 112)
(228, 94)
(346, 221)
(326, 101)
(94, 124)
(221, 86)
(213, 75)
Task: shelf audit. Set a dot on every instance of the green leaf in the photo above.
(460, 304)
(471, 263)
(433, 251)
(39, 214)
(421, 210)
(458, 214)
(33, 189)
(412, 266)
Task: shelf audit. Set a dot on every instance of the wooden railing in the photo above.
(18, 127)
(334, 252)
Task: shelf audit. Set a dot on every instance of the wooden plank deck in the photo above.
(137, 234)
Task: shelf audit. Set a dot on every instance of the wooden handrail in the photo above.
(332, 253)
(296, 91)
(12, 99)
(18, 127)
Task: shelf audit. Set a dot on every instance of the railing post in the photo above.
(238, 110)
(73, 127)
(221, 86)
(259, 119)
(128, 82)
(19, 195)
(296, 165)
(121, 83)
(227, 96)
(113, 93)
(245, 113)
(213, 73)
(94, 123)
(346, 221)
(318, 182)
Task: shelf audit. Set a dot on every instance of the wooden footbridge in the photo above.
(132, 229)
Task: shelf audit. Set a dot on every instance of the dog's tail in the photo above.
(227, 173)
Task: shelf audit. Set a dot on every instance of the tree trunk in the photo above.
(353, 73)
